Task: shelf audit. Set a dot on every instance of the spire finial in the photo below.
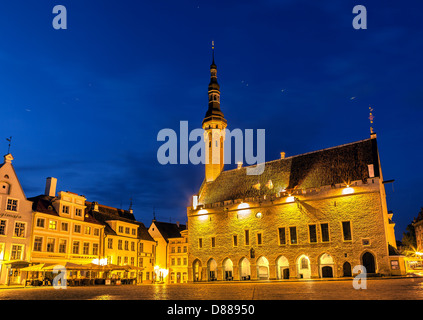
(371, 117)
(10, 142)
(213, 52)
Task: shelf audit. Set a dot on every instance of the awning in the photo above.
(16, 264)
(36, 267)
(67, 266)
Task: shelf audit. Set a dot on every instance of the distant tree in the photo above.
(409, 238)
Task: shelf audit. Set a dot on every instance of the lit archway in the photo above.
(228, 269)
(303, 267)
(326, 266)
(282, 268)
(244, 269)
(262, 268)
(196, 270)
(212, 270)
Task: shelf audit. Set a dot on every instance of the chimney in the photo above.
(94, 206)
(282, 155)
(177, 223)
(51, 187)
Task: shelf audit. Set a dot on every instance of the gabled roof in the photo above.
(340, 164)
(106, 213)
(43, 204)
(111, 211)
(169, 230)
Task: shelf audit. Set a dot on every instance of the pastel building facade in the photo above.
(126, 242)
(171, 249)
(15, 225)
(178, 258)
(63, 231)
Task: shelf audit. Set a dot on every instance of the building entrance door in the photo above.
(369, 262)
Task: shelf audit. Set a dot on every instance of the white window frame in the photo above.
(17, 204)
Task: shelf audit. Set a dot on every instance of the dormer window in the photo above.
(78, 212)
(65, 209)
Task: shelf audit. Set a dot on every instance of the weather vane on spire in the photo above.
(371, 117)
(10, 142)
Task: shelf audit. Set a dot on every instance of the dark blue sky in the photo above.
(85, 104)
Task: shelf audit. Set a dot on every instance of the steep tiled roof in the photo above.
(44, 204)
(111, 211)
(106, 213)
(330, 166)
(169, 230)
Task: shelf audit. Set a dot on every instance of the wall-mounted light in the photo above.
(348, 190)
(290, 198)
(243, 205)
(202, 214)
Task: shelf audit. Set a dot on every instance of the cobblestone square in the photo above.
(377, 289)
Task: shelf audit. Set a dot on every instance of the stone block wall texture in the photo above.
(363, 209)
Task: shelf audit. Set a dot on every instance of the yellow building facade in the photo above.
(126, 242)
(62, 230)
(171, 251)
(178, 258)
(68, 229)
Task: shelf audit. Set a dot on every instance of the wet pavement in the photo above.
(377, 289)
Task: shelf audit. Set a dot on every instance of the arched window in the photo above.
(304, 263)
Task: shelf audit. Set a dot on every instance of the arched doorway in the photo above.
(303, 267)
(262, 268)
(196, 270)
(368, 261)
(282, 268)
(244, 269)
(346, 268)
(227, 269)
(212, 270)
(326, 265)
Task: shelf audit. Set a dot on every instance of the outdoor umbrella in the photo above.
(67, 265)
(35, 267)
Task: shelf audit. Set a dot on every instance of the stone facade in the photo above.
(314, 215)
(327, 205)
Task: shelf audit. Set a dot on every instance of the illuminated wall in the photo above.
(218, 232)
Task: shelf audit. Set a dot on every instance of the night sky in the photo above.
(85, 104)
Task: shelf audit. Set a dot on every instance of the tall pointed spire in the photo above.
(214, 125)
(214, 111)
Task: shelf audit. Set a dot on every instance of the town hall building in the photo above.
(312, 215)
